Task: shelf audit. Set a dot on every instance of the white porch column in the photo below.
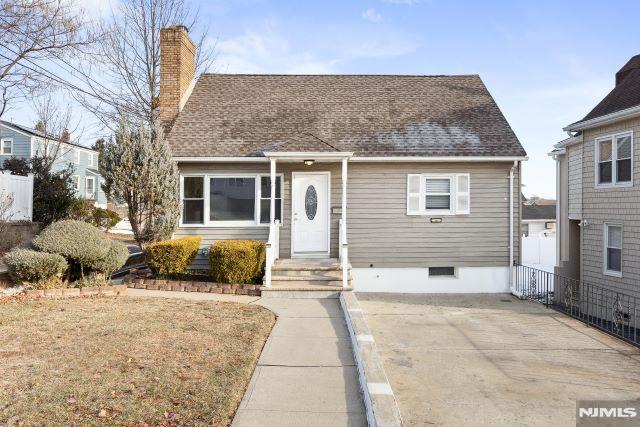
(344, 193)
(343, 243)
(272, 201)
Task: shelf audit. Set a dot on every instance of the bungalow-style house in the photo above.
(380, 182)
(599, 191)
(23, 142)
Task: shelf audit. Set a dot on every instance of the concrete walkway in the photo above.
(306, 374)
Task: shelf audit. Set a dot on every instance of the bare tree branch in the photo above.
(33, 32)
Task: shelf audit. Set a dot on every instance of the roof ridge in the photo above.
(335, 75)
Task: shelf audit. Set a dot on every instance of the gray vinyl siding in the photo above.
(574, 157)
(379, 230)
(382, 234)
(616, 205)
(21, 144)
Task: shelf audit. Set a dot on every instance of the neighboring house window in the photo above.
(75, 180)
(76, 157)
(438, 194)
(228, 200)
(6, 147)
(613, 249)
(614, 157)
(525, 230)
(90, 187)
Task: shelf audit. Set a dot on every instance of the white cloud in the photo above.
(94, 9)
(371, 15)
(269, 52)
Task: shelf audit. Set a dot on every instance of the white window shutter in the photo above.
(463, 194)
(413, 194)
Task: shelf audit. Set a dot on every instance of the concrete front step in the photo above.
(302, 291)
(315, 283)
(332, 274)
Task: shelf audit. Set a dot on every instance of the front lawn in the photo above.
(126, 361)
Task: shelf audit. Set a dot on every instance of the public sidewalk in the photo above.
(306, 374)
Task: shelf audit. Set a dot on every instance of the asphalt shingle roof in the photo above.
(625, 95)
(539, 212)
(246, 115)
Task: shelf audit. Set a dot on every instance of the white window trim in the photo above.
(77, 185)
(605, 268)
(10, 141)
(86, 187)
(614, 162)
(76, 156)
(90, 160)
(453, 195)
(226, 224)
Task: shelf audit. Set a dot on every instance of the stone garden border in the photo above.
(191, 286)
(112, 290)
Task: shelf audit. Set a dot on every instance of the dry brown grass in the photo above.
(125, 361)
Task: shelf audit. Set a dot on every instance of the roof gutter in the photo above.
(627, 113)
(355, 159)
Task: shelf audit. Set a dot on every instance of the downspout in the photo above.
(515, 165)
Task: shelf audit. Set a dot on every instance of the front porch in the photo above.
(311, 266)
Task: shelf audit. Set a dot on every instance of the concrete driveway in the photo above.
(494, 360)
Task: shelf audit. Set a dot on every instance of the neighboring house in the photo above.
(599, 190)
(23, 142)
(538, 219)
(411, 181)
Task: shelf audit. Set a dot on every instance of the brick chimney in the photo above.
(177, 70)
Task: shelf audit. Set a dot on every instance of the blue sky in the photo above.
(547, 63)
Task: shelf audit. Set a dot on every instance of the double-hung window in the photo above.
(75, 182)
(613, 249)
(76, 156)
(217, 200)
(90, 160)
(90, 187)
(614, 160)
(438, 194)
(6, 147)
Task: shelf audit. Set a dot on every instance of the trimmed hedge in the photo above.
(115, 258)
(237, 261)
(77, 241)
(39, 268)
(85, 210)
(172, 256)
(84, 246)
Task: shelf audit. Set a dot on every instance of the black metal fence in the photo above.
(611, 311)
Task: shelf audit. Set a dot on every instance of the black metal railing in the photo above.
(611, 311)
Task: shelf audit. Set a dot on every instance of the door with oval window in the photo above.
(310, 232)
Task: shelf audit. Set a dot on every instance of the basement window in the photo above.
(442, 271)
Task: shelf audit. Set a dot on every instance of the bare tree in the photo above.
(54, 122)
(127, 59)
(33, 32)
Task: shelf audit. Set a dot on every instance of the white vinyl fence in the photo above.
(21, 189)
(539, 252)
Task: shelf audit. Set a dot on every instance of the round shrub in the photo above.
(105, 218)
(77, 241)
(116, 257)
(237, 261)
(172, 256)
(26, 265)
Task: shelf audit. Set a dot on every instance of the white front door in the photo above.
(310, 234)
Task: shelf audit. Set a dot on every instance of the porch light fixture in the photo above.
(308, 162)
